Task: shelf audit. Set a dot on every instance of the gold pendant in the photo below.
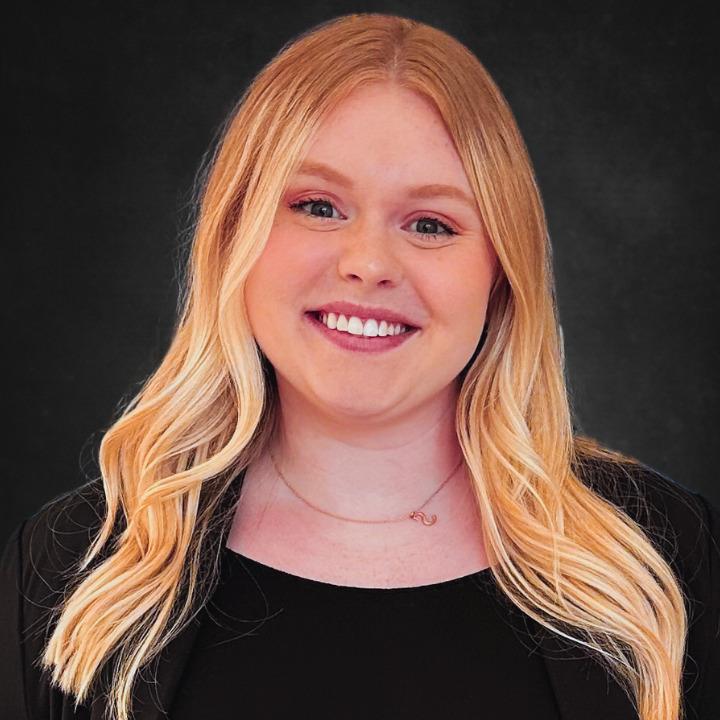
(423, 518)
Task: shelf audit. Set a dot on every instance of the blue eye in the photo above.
(316, 208)
(432, 226)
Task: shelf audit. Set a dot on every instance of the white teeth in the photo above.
(355, 326)
(370, 329)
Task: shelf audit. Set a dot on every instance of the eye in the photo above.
(431, 226)
(316, 208)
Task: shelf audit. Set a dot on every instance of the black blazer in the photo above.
(42, 552)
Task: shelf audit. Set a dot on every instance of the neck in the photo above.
(365, 469)
(355, 471)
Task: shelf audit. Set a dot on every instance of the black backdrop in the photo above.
(111, 107)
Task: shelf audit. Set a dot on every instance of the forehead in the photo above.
(391, 129)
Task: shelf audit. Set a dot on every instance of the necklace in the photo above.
(414, 515)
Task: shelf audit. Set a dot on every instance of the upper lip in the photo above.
(364, 312)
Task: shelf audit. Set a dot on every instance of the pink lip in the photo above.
(364, 312)
(358, 343)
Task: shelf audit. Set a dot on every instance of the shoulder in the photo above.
(52, 542)
(685, 528)
(44, 553)
(682, 524)
(42, 558)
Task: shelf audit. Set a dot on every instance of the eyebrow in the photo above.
(438, 190)
(325, 172)
(434, 190)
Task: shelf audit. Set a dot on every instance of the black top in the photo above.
(316, 645)
(274, 645)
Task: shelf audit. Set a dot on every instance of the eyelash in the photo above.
(448, 230)
(298, 206)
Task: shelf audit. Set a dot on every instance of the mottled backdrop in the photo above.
(111, 107)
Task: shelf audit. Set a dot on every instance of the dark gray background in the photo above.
(112, 105)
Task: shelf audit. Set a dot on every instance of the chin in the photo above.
(360, 408)
(381, 408)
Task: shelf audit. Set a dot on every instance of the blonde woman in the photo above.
(351, 489)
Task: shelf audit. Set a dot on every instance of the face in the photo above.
(370, 296)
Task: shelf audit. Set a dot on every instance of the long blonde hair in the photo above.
(562, 554)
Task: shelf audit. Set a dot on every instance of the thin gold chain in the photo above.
(414, 515)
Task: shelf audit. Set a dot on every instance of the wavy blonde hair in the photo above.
(566, 557)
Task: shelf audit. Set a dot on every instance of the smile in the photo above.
(367, 328)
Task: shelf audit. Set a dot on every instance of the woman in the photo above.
(352, 489)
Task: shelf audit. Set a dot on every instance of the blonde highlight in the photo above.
(566, 557)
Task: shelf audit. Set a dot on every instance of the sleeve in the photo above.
(37, 564)
(12, 661)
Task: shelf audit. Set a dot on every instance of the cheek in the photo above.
(295, 254)
(460, 291)
(471, 302)
(281, 278)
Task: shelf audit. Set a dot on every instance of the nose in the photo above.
(367, 257)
